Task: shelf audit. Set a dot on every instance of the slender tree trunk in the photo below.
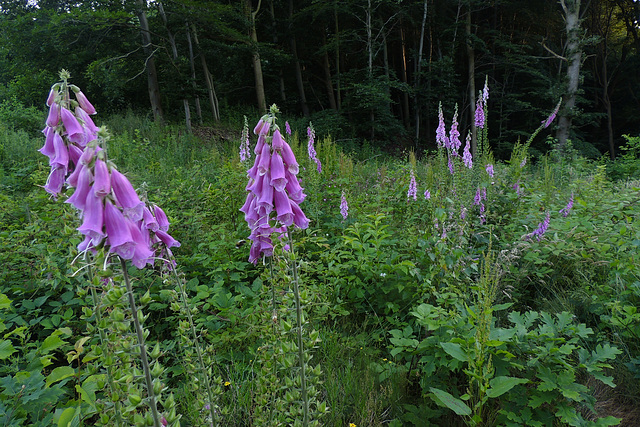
(405, 94)
(208, 79)
(607, 103)
(192, 64)
(573, 48)
(257, 63)
(174, 53)
(338, 91)
(327, 75)
(299, 81)
(369, 29)
(283, 93)
(472, 85)
(418, 67)
(150, 65)
(387, 72)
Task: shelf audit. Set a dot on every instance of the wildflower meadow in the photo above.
(152, 278)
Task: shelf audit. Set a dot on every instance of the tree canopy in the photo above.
(374, 69)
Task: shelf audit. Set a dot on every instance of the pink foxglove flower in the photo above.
(565, 211)
(344, 207)
(441, 134)
(427, 194)
(516, 187)
(245, 150)
(287, 128)
(466, 155)
(489, 169)
(454, 134)
(73, 129)
(485, 91)
(102, 183)
(412, 193)
(552, 116)
(54, 115)
(113, 216)
(271, 205)
(83, 186)
(93, 219)
(311, 133)
(479, 118)
(126, 196)
(149, 221)
(55, 180)
(84, 103)
(538, 233)
(118, 232)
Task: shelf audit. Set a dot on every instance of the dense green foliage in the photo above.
(369, 69)
(428, 311)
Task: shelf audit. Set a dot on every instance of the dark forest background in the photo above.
(358, 69)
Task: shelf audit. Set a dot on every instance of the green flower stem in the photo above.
(296, 294)
(103, 341)
(143, 351)
(274, 318)
(203, 368)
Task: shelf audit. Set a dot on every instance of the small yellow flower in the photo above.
(227, 383)
(352, 425)
(384, 360)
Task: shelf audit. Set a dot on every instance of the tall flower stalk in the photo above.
(272, 209)
(311, 133)
(114, 220)
(344, 207)
(412, 193)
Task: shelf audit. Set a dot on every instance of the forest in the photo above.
(357, 213)
(368, 69)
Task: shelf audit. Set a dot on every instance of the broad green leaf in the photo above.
(50, 343)
(454, 350)
(87, 396)
(501, 385)
(608, 421)
(455, 404)
(6, 349)
(5, 302)
(66, 417)
(60, 373)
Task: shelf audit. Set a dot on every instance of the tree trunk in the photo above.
(327, 75)
(208, 79)
(405, 94)
(257, 63)
(299, 82)
(283, 92)
(150, 65)
(573, 48)
(174, 52)
(338, 91)
(472, 85)
(192, 64)
(387, 72)
(418, 70)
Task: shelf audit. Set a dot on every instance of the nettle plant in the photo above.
(121, 231)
